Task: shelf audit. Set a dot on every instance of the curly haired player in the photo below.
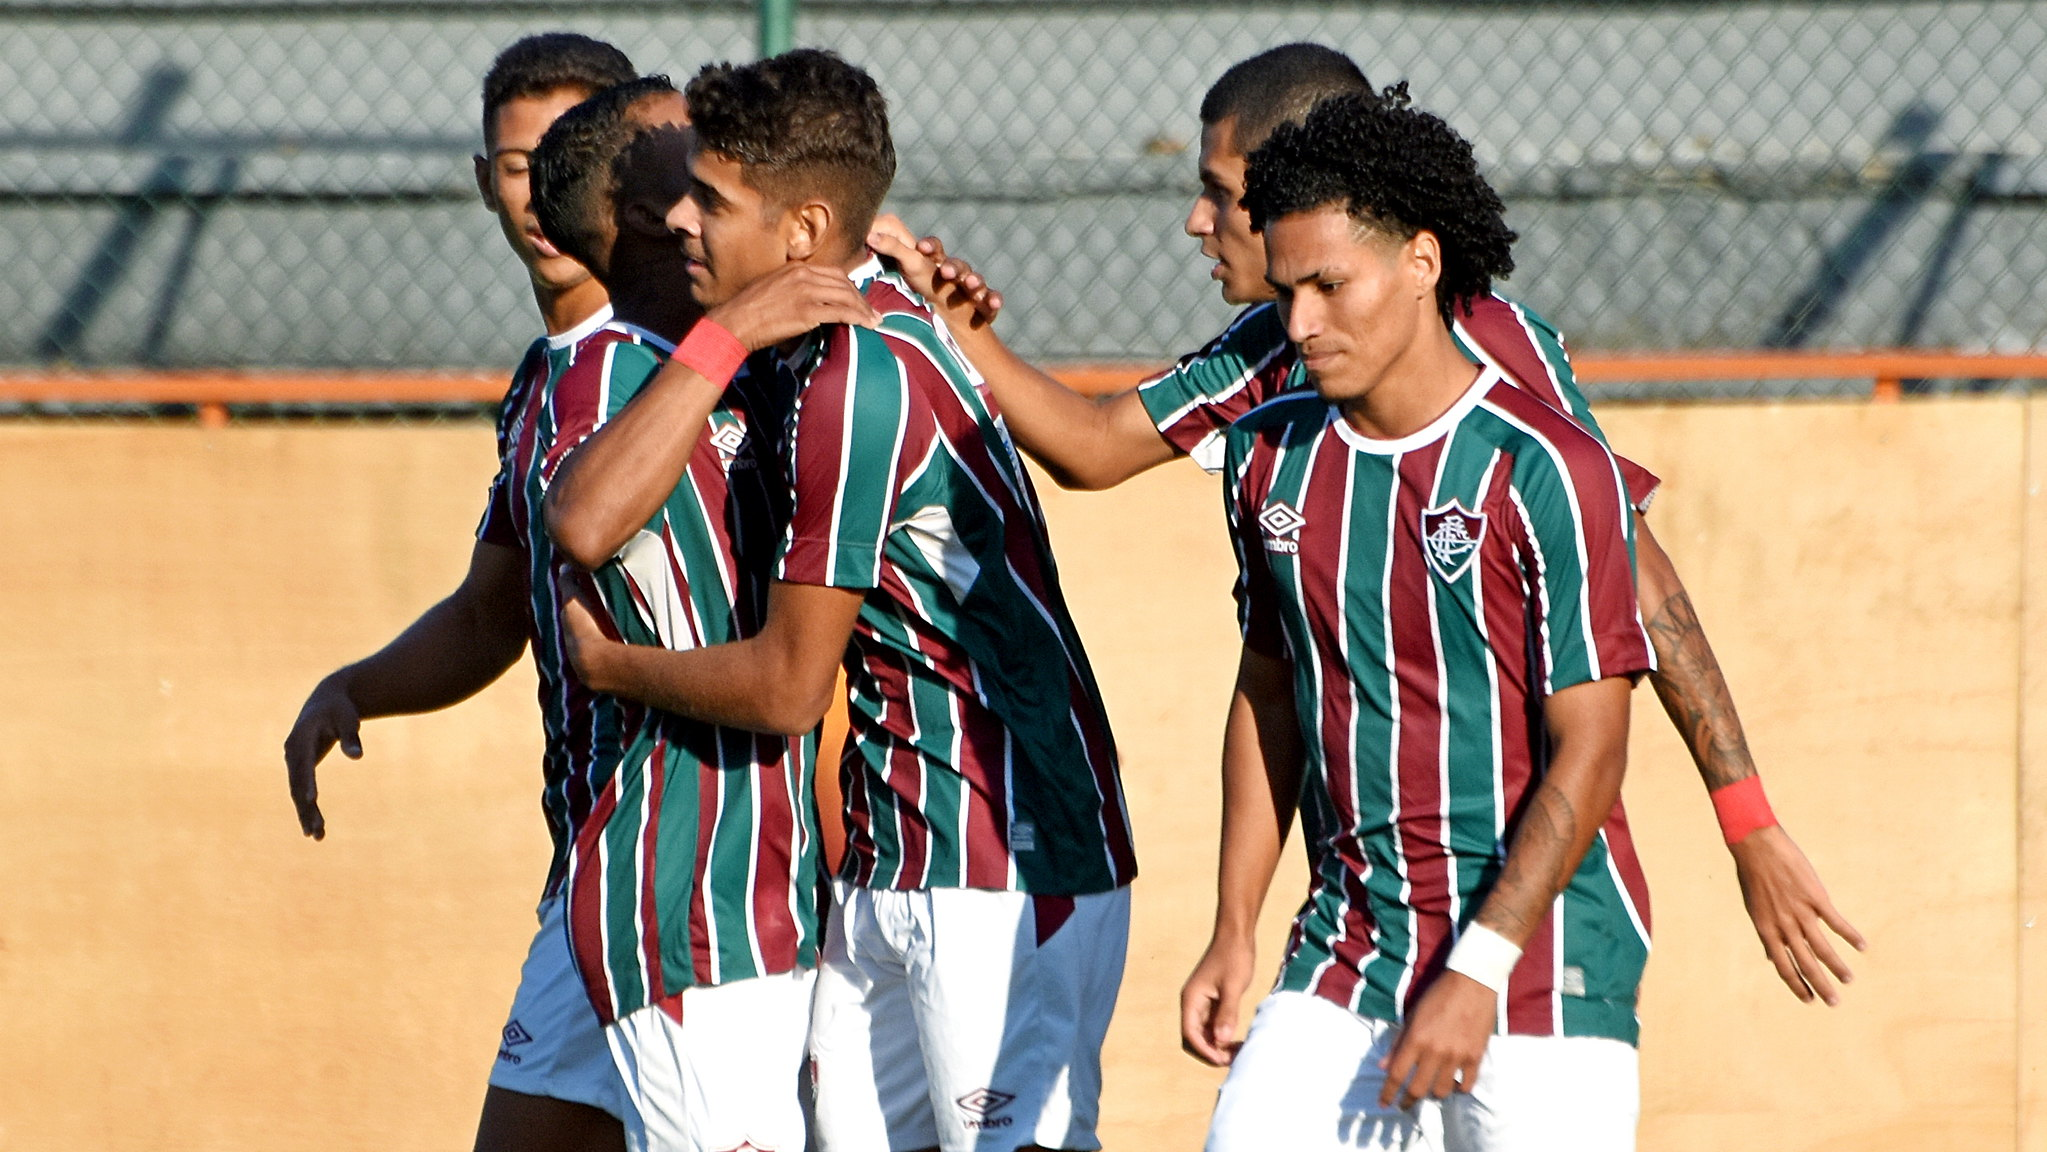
(1437, 599)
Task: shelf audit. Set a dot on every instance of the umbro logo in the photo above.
(1282, 525)
(729, 439)
(1450, 538)
(515, 1035)
(979, 1108)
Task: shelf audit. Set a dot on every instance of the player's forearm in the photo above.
(1261, 788)
(1588, 725)
(614, 482)
(454, 650)
(738, 685)
(1086, 442)
(1688, 680)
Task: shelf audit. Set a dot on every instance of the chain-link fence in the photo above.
(286, 183)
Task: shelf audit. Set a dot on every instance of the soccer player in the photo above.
(1099, 442)
(553, 1086)
(1440, 638)
(692, 881)
(976, 942)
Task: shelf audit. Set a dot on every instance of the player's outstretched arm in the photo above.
(779, 680)
(1444, 1038)
(1783, 893)
(614, 482)
(453, 651)
(1261, 788)
(1081, 441)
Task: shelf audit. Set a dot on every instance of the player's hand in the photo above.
(1442, 1043)
(1209, 1002)
(790, 301)
(329, 717)
(955, 291)
(1789, 906)
(585, 642)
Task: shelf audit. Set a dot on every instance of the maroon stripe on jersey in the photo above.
(986, 757)
(1325, 502)
(817, 458)
(1621, 843)
(1418, 760)
(906, 785)
(578, 401)
(1357, 931)
(777, 797)
(586, 905)
(702, 956)
(1499, 330)
(650, 836)
(1530, 1011)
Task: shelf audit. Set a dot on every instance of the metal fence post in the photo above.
(778, 27)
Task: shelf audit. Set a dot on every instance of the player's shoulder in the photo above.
(1283, 415)
(1531, 429)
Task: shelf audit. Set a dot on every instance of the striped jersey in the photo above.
(979, 754)
(698, 862)
(1252, 361)
(577, 724)
(1429, 593)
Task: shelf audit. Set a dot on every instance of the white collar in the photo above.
(1429, 433)
(576, 335)
(634, 330)
(866, 270)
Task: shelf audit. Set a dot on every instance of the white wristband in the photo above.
(1485, 956)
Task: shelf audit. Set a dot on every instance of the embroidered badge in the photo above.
(1450, 536)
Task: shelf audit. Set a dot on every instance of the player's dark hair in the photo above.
(799, 124)
(1394, 169)
(1278, 86)
(548, 62)
(579, 166)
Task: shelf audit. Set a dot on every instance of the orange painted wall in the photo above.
(180, 970)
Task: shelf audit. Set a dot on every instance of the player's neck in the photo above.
(1419, 386)
(564, 308)
(656, 306)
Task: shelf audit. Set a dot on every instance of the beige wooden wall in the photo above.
(180, 970)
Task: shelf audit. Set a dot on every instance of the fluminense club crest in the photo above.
(1450, 536)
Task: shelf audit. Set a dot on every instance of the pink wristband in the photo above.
(1742, 808)
(715, 353)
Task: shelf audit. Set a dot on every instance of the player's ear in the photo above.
(643, 218)
(1424, 255)
(489, 194)
(805, 228)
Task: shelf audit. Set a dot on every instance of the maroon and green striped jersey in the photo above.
(979, 754)
(577, 724)
(1429, 594)
(698, 863)
(1194, 402)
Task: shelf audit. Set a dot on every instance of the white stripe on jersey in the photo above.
(1570, 486)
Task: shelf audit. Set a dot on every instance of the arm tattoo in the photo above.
(1694, 692)
(1539, 863)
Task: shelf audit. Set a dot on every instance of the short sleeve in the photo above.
(1579, 532)
(1258, 615)
(593, 391)
(1530, 352)
(845, 448)
(497, 525)
(1199, 397)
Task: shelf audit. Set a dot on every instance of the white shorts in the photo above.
(1308, 1078)
(723, 1076)
(964, 1019)
(552, 1044)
